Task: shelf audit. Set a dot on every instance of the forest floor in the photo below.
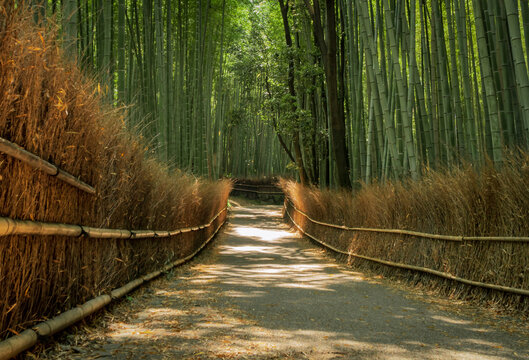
(261, 292)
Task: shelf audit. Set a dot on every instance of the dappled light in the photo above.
(142, 144)
(269, 294)
(267, 235)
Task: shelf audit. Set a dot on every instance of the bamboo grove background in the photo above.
(339, 91)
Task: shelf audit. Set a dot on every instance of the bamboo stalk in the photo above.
(25, 227)
(165, 233)
(17, 344)
(75, 182)
(142, 234)
(70, 317)
(36, 162)
(415, 268)
(456, 238)
(19, 227)
(125, 289)
(107, 233)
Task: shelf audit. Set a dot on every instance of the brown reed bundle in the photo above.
(459, 202)
(49, 108)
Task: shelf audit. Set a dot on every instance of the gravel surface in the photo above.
(260, 292)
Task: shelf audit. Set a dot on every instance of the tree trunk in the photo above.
(328, 50)
(292, 91)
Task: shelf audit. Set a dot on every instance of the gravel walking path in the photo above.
(259, 292)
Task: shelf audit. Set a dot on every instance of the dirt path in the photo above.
(261, 293)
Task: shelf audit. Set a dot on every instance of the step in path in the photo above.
(261, 292)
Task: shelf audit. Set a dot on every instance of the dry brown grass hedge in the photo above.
(48, 107)
(459, 202)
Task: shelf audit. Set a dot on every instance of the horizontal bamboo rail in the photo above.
(456, 238)
(255, 186)
(25, 227)
(248, 185)
(410, 267)
(259, 192)
(36, 162)
(17, 344)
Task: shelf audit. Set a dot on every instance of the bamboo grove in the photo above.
(338, 92)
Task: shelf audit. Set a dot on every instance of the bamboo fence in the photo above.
(445, 275)
(24, 227)
(38, 163)
(28, 338)
(258, 191)
(456, 238)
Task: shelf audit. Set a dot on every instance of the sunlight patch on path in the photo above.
(267, 235)
(262, 293)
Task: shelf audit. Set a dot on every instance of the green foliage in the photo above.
(420, 83)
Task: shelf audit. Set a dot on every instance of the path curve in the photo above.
(261, 293)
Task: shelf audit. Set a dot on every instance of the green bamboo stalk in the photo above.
(522, 79)
(486, 69)
(406, 118)
(122, 9)
(161, 83)
(69, 27)
(371, 56)
(454, 89)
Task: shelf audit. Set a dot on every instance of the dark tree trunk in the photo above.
(292, 90)
(336, 107)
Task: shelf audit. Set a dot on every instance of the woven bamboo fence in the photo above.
(68, 158)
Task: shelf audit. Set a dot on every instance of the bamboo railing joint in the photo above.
(83, 233)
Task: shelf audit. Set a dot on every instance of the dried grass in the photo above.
(459, 202)
(48, 107)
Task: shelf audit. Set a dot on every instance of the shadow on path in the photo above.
(264, 294)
